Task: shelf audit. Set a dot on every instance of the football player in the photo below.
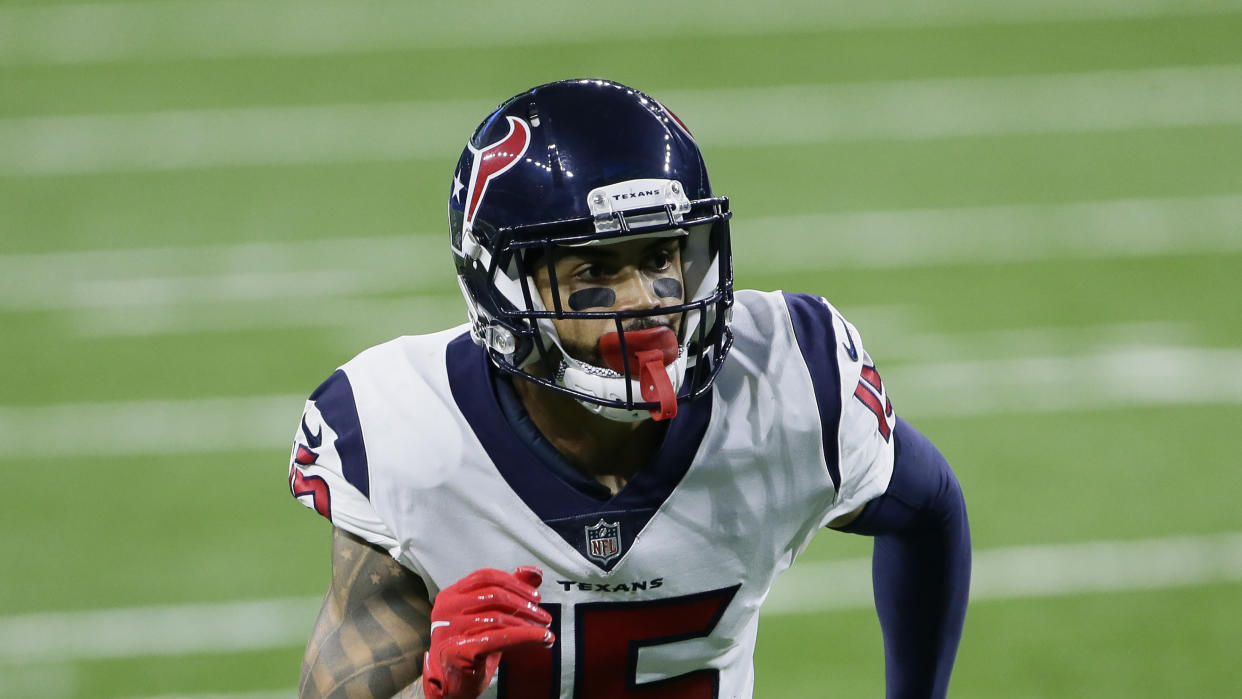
(589, 489)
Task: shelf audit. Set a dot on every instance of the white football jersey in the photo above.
(656, 590)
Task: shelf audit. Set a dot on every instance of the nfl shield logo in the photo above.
(604, 541)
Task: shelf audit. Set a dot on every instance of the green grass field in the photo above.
(1032, 211)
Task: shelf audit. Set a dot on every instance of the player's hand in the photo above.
(476, 619)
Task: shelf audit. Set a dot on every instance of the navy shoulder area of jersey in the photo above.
(812, 320)
(335, 400)
(374, 384)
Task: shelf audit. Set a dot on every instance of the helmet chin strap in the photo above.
(653, 354)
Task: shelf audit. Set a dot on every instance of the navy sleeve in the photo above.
(920, 566)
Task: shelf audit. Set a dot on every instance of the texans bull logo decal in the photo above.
(493, 161)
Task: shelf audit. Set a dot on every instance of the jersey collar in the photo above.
(556, 502)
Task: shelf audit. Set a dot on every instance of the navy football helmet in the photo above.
(589, 162)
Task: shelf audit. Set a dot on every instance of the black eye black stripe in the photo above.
(594, 297)
(667, 288)
(602, 297)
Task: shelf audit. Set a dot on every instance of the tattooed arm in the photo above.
(372, 630)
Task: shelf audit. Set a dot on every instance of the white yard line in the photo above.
(350, 318)
(163, 630)
(1116, 378)
(151, 426)
(1032, 571)
(899, 335)
(1108, 378)
(159, 281)
(170, 277)
(810, 586)
(777, 115)
(45, 680)
(990, 234)
(142, 31)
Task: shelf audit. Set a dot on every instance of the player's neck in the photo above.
(612, 452)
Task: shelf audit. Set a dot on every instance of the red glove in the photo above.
(473, 621)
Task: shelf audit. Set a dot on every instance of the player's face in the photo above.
(631, 275)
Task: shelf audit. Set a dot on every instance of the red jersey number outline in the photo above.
(870, 392)
(608, 636)
(301, 484)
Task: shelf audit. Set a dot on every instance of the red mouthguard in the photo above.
(651, 350)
